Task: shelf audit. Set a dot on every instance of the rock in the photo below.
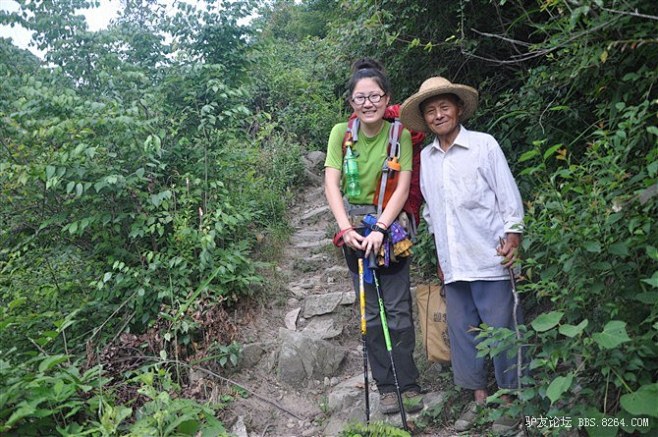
(318, 304)
(298, 291)
(307, 163)
(307, 284)
(252, 353)
(323, 329)
(314, 212)
(348, 298)
(309, 234)
(337, 269)
(346, 394)
(196, 375)
(346, 403)
(302, 358)
(313, 178)
(239, 429)
(313, 244)
(316, 157)
(434, 399)
(291, 319)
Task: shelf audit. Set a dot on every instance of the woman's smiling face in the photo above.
(369, 113)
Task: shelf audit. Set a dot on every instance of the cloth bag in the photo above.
(433, 322)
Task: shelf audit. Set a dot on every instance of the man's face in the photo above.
(442, 114)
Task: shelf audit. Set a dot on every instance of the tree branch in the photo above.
(504, 38)
(632, 14)
(528, 56)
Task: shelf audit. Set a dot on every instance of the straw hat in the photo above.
(410, 113)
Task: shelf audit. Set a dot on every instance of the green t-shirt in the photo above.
(371, 153)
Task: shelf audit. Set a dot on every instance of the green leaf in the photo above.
(592, 246)
(613, 334)
(24, 410)
(652, 253)
(73, 228)
(571, 330)
(185, 425)
(551, 151)
(644, 401)
(620, 249)
(653, 280)
(19, 301)
(546, 321)
(649, 298)
(558, 386)
(51, 362)
(529, 155)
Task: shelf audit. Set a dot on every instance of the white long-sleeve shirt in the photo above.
(471, 200)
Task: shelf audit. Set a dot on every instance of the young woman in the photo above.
(369, 93)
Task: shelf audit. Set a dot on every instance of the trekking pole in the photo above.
(364, 347)
(387, 338)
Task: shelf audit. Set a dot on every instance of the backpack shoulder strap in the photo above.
(351, 134)
(391, 163)
(394, 135)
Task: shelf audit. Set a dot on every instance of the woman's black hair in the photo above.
(367, 68)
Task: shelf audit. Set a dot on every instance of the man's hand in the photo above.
(509, 249)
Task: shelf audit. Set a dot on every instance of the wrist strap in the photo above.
(338, 237)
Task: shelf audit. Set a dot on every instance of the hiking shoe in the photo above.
(505, 425)
(412, 401)
(388, 403)
(468, 417)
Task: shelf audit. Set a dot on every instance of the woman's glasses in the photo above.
(374, 98)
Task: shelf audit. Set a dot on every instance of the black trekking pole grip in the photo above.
(372, 260)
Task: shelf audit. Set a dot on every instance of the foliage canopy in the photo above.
(138, 163)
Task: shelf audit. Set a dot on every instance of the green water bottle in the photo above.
(351, 171)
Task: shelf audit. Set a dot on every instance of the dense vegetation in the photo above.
(139, 164)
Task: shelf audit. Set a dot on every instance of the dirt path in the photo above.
(310, 265)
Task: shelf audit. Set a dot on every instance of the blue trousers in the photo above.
(395, 289)
(470, 304)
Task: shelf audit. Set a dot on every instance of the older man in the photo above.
(472, 202)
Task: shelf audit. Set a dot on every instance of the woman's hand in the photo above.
(353, 239)
(372, 243)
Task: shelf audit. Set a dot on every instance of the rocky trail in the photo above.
(301, 367)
